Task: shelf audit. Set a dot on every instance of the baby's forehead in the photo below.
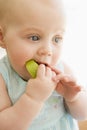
(30, 3)
(21, 9)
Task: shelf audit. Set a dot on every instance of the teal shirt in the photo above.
(53, 115)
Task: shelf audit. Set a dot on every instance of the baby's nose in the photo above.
(47, 51)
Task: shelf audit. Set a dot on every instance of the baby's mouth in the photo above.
(46, 64)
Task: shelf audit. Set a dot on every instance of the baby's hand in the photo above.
(40, 88)
(67, 86)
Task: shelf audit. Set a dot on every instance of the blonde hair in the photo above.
(4, 7)
(7, 12)
(9, 9)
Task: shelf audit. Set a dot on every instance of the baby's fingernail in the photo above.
(55, 79)
(66, 79)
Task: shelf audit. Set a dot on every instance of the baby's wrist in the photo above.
(34, 100)
(74, 99)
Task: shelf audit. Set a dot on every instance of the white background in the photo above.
(75, 42)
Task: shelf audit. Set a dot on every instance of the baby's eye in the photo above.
(34, 38)
(57, 39)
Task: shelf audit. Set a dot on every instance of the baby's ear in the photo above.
(2, 44)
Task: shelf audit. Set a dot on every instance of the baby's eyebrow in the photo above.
(60, 30)
(32, 29)
(57, 31)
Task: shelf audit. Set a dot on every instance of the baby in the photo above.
(53, 100)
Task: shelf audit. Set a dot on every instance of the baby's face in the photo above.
(36, 34)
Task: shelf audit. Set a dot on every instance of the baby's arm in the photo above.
(78, 107)
(23, 112)
(74, 96)
(19, 116)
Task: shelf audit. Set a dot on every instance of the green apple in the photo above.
(32, 67)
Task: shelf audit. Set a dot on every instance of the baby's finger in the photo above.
(59, 77)
(53, 74)
(48, 71)
(56, 70)
(41, 70)
(69, 80)
(65, 79)
(78, 88)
